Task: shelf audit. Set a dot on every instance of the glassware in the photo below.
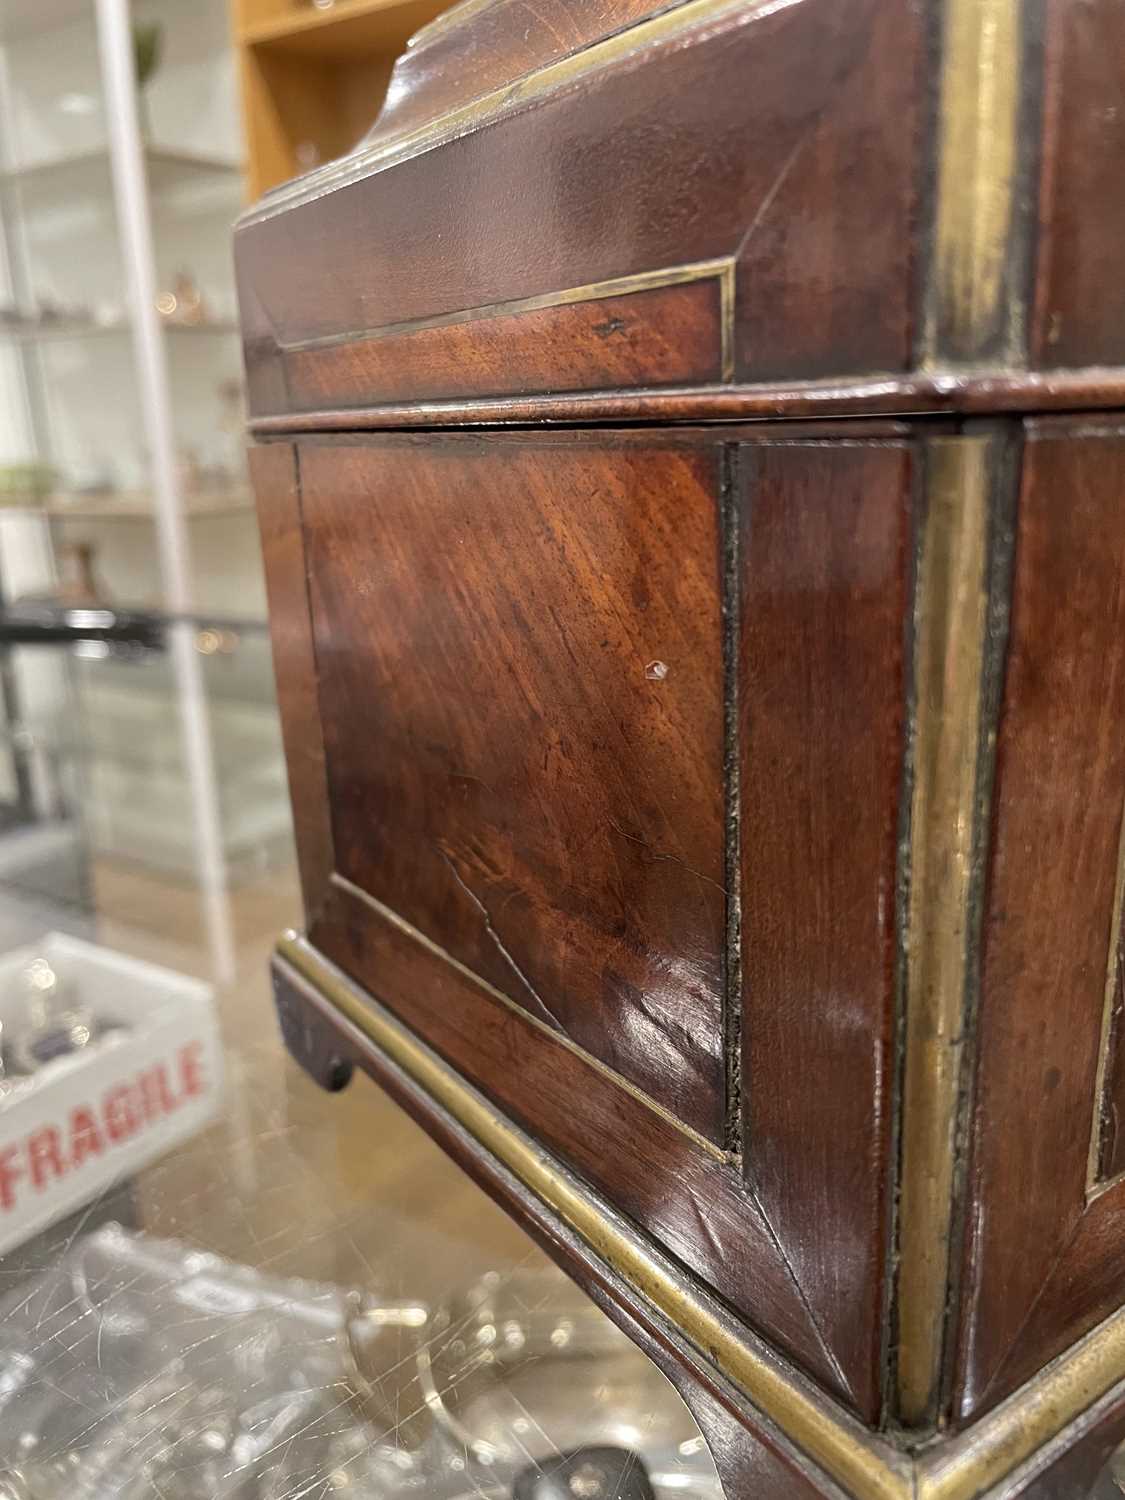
(55, 1025)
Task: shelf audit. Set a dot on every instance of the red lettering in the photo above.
(156, 1096)
(119, 1109)
(85, 1137)
(44, 1152)
(10, 1174)
(192, 1080)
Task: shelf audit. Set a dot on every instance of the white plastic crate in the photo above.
(101, 1115)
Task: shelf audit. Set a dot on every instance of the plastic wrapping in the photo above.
(137, 1368)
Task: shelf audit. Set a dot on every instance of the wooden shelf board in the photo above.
(345, 30)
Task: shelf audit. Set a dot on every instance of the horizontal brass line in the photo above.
(594, 291)
(386, 914)
(988, 1451)
(861, 1462)
(865, 1465)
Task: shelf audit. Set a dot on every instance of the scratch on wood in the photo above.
(500, 947)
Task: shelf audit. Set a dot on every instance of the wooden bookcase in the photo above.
(313, 79)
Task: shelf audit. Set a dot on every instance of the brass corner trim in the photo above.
(950, 625)
(1014, 1433)
(865, 1465)
(974, 308)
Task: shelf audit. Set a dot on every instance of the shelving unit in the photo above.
(126, 505)
(129, 423)
(314, 78)
(165, 168)
(67, 330)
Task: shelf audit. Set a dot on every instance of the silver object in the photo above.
(54, 1026)
(525, 1367)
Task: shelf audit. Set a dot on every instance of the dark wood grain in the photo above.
(521, 682)
(805, 228)
(506, 776)
(1041, 1265)
(687, 1197)
(663, 336)
(824, 569)
(273, 471)
(561, 692)
(753, 1461)
(534, 202)
(824, 400)
(1079, 304)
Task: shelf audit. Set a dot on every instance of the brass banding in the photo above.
(864, 1464)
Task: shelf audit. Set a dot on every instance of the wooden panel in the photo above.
(752, 1459)
(795, 319)
(1080, 294)
(824, 571)
(1042, 1261)
(482, 48)
(514, 795)
(635, 168)
(657, 337)
(683, 1194)
(273, 471)
(521, 682)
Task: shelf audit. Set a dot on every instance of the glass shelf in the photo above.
(68, 330)
(33, 623)
(166, 167)
(20, 19)
(127, 505)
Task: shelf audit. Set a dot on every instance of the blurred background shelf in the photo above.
(166, 168)
(338, 31)
(314, 79)
(137, 505)
(138, 723)
(67, 330)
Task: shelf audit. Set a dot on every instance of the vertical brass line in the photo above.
(1093, 1167)
(950, 614)
(975, 307)
(726, 320)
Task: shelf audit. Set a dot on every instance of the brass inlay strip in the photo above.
(367, 158)
(950, 614)
(721, 269)
(392, 919)
(860, 1462)
(1095, 1183)
(986, 1453)
(726, 318)
(978, 152)
(960, 1468)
